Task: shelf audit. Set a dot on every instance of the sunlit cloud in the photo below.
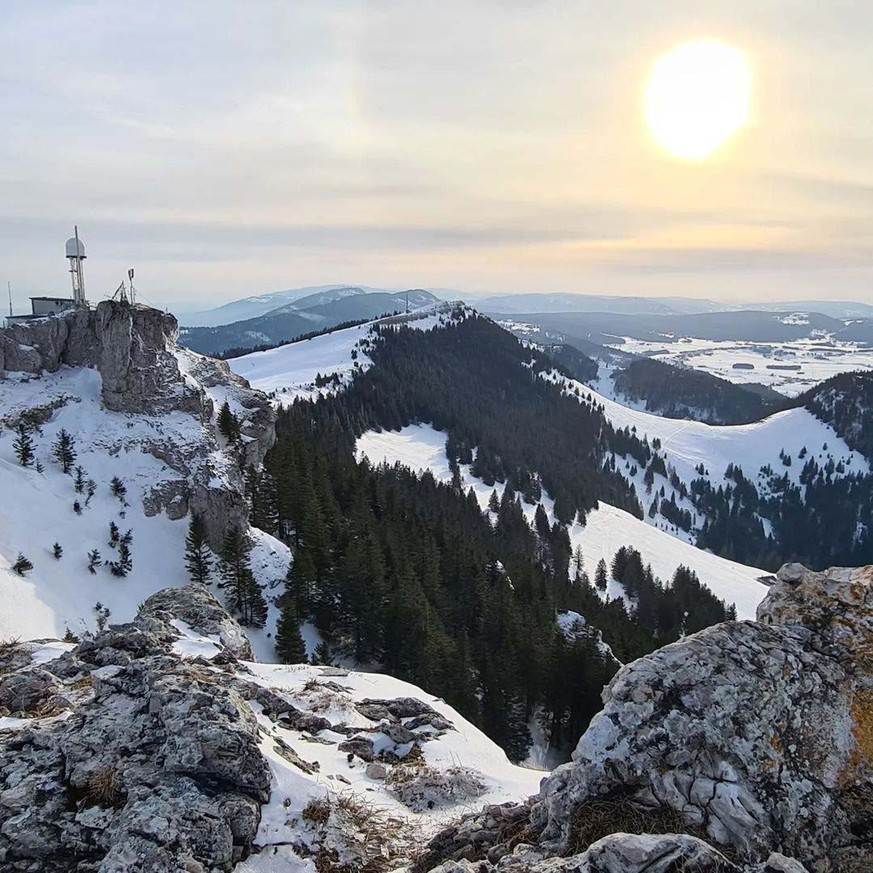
(230, 149)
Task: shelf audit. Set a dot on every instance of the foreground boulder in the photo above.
(754, 738)
(131, 759)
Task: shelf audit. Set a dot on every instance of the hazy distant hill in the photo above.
(324, 309)
(513, 304)
(739, 326)
(252, 307)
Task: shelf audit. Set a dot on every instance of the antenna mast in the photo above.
(9, 289)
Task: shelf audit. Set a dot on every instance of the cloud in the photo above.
(226, 144)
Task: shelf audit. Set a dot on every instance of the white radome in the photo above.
(71, 248)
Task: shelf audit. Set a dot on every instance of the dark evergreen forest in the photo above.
(407, 574)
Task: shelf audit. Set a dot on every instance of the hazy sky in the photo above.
(232, 148)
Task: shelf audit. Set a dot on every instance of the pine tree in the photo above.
(114, 535)
(22, 565)
(69, 636)
(124, 564)
(77, 507)
(198, 556)
(290, 648)
(101, 614)
(23, 445)
(79, 482)
(600, 575)
(64, 450)
(57, 551)
(323, 654)
(118, 488)
(94, 561)
(228, 423)
(244, 595)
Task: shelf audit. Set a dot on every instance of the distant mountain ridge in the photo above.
(323, 309)
(261, 304)
(542, 303)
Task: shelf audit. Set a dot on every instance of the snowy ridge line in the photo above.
(687, 444)
(324, 364)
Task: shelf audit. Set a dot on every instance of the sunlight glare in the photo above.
(697, 97)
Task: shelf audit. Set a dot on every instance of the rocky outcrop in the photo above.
(198, 608)
(150, 763)
(630, 853)
(753, 737)
(144, 372)
(129, 345)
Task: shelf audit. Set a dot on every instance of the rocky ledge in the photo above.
(118, 755)
(144, 372)
(745, 748)
(740, 745)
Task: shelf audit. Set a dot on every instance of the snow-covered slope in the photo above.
(292, 370)
(37, 509)
(751, 446)
(607, 528)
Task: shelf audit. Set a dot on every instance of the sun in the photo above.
(698, 97)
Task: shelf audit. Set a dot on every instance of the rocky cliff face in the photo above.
(753, 739)
(144, 373)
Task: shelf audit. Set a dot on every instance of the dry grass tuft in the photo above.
(103, 789)
(375, 841)
(317, 810)
(596, 819)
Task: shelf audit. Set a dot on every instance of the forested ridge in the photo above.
(399, 571)
(681, 392)
(845, 402)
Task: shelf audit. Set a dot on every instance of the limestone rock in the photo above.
(754, 732)
(201, 611)
(144, 372)
(157, 767)
(628, 853)
(754, 737)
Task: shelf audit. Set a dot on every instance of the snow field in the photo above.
(37, 511)
(819, 359)
(290, 370)
(687, 444)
